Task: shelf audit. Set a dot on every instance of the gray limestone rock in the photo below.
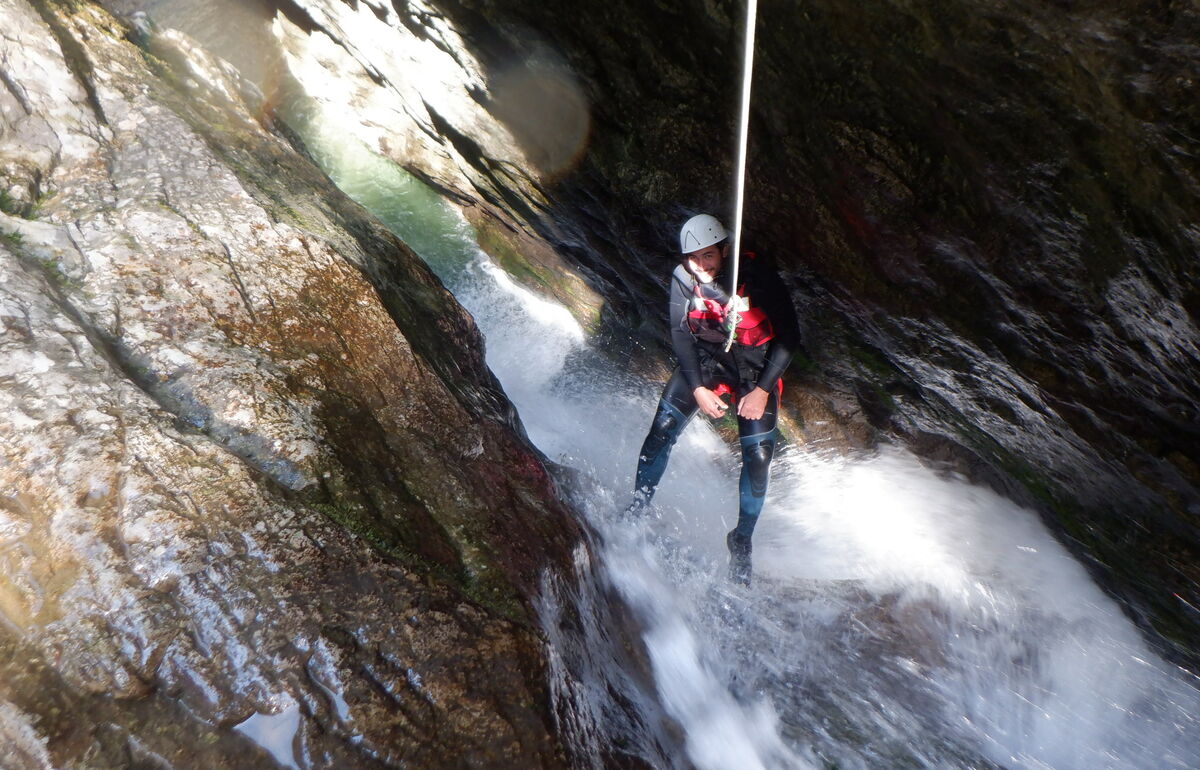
(255, 479)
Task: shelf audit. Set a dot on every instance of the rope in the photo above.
(744, 132)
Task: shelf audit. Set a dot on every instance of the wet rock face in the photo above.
(257, 480)
(986, 215)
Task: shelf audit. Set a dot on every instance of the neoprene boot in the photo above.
(739, 557)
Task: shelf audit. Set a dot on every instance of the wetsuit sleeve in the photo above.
(776, 301)
(681, 338)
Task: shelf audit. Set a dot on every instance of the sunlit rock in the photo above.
(404, 81)
(255, 473)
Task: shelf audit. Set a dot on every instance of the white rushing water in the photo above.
(899, 617)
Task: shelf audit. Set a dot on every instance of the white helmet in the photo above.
(699, 232)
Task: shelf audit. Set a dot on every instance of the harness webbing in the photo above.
(744, 131)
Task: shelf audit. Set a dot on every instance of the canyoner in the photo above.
(733, 336)
(745, 368)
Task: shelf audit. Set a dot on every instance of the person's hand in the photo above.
(710, 403)
(752, 405)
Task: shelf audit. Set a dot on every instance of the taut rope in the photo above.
(747, 74)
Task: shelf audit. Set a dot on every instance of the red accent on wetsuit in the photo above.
(723, 389)
(706, 319)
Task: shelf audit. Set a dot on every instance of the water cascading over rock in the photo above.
(986, 216)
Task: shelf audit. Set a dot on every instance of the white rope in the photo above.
(744, 131)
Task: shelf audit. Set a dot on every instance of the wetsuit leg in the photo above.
(676, 407)
(758, 448)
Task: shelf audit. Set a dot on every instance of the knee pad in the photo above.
(667, 425)
(656, 449)
(756, 460)
(665, 422)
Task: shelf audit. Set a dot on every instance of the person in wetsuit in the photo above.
(766, 336)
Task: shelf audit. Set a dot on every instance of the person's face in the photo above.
(706, 263)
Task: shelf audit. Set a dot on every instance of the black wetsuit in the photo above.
(705, 363)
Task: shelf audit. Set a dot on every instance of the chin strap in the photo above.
(735, 306)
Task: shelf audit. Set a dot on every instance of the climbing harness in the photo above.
(735, 302)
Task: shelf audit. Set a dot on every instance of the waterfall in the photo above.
(900, 617)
